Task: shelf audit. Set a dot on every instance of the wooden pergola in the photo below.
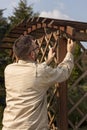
(54, 32)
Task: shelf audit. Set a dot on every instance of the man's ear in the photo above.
(32, 55)
(15, 57)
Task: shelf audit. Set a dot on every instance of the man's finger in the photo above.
(49, 47)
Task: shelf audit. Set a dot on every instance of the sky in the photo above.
(61, 9)
(75, 10)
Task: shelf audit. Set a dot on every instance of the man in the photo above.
(27, 83)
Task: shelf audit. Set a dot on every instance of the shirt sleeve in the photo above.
(61, 72)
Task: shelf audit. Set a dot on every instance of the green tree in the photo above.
(3, 24)
(22, 12)
(3, 20)
(3, 30)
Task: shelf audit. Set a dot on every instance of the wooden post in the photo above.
(63, 121)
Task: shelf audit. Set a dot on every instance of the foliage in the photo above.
(76, 71)
(3, 24)
(4, 60)
(22, 12)
(75, 95)
(1, 116)
(3, 20)
(3, 29)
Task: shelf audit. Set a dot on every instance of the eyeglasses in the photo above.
(35, 49)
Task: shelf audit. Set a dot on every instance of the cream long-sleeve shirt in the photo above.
(26, 86)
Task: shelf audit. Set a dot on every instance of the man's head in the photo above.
(24, 48)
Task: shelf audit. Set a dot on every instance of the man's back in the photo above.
(26, 100)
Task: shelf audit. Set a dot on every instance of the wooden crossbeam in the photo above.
(6, 46)
(8, 40)
(80, 36)
(73, 34)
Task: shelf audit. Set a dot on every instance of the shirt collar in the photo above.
(24, 61)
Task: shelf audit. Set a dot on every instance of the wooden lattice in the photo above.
(53, 94)
(80, 91)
